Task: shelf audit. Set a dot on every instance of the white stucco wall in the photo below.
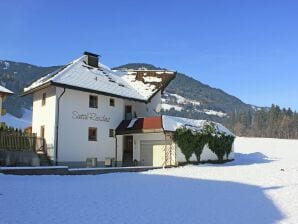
(73, 133)
(146, 109)
(73, 143)
(44, 115)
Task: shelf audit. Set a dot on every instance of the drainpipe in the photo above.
(116, 150)
(57, 127)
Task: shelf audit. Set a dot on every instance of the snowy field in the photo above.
(259, 187)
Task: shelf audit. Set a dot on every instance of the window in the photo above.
(112, 102)
(43, 101)
(93, 101)
(42, 131)
(128, 112)
(111, 133)
(92, 134)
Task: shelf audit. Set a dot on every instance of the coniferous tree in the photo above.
(272, 123)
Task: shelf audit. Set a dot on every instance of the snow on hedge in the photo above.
(171, 123)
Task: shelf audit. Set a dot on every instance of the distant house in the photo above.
(87, 112)
(3, 94)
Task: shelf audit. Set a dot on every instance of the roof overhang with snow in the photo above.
(140, 125)
(138, 85)
(4, 91)
(165, 123)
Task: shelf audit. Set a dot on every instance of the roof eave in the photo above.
(162, 88)
(6, 93)
(45, 85)
(94, 91)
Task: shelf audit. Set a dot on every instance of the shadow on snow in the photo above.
(249, 159)
(133, 198)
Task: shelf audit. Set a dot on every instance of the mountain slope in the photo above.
(15, 76)
(188, 97)
(184, 96)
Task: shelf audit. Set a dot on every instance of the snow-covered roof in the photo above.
(171, 124)
(126, 84)
(4, 90)
(165, 123)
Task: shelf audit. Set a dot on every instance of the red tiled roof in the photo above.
(141, 125)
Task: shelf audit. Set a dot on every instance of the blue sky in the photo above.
(247, 48)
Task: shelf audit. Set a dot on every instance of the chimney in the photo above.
(91, 59)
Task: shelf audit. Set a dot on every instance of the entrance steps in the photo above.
(43, 158)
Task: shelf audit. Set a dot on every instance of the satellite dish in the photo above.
(158, 108)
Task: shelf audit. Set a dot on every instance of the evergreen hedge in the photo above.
(190, 141)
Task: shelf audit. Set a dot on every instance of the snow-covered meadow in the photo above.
(260, 186)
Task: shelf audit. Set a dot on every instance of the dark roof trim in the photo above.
(94, 91)
(91, 54)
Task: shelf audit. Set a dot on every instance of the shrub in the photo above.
(200, 140)
(184, 139)
(190, 141)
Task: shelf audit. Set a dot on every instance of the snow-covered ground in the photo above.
(214, 112)
(178, 103)
(21, 123)
(166, 106)
(259, 187)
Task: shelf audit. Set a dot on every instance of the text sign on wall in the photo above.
(89, 116)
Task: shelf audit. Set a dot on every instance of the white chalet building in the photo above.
(86, 111)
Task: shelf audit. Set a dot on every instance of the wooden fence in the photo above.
(20, 142)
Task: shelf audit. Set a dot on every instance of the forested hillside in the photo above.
(15, 76)
(273, 123)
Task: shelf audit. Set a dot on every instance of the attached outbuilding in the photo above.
(4, 92)
(149, 141)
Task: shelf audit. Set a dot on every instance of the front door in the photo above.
(128, 151)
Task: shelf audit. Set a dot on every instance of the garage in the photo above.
(153, 143)
(152, 152)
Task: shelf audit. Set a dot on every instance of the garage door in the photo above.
(146, 154)
(152, 153)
